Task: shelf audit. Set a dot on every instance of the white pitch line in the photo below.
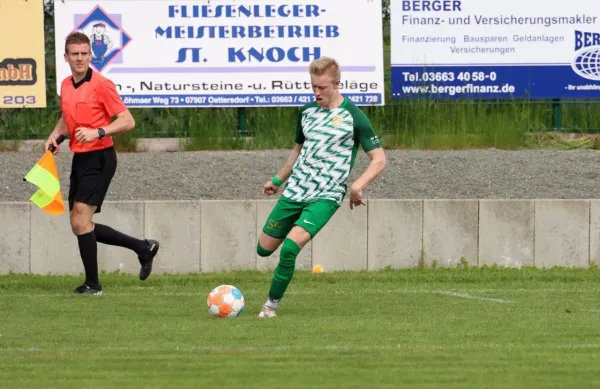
(471, 297)
(141, 292)
(150, 292)
(300, 348)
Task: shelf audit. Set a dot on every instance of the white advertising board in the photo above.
(226, 53)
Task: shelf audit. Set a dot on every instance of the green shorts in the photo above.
(310, 216)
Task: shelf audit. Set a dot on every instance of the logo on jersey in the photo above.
(586, 62)
(107, 37)
(337, 121)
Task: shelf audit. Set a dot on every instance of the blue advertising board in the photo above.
(456, 49)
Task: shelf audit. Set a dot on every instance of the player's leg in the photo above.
(292, 245)
(278, 224)
(313, 218)
(145, 249)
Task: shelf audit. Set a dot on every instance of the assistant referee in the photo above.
(88, 102)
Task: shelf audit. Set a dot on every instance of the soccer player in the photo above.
(88, 101)
(328, 134)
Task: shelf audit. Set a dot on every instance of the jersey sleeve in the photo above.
(299, 133)
(110, 98)
(364, 132)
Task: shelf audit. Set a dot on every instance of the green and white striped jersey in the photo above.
(330, 140)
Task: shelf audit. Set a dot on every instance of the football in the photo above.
(225, 301)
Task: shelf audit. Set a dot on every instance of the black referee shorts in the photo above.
(91, 174)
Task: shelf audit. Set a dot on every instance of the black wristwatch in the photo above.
(101, 133)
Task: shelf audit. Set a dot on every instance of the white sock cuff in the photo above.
(273, 303)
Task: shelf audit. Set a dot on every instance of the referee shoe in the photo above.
(85, 289)
(147, 259)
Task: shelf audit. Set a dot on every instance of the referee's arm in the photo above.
(113, 105)
(112, 102)
(123, 122)
(59, 129)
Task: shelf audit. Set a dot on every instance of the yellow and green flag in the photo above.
(45, 176)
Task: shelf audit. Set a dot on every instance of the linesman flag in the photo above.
(44, 175)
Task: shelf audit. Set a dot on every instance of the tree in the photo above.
(49, 7)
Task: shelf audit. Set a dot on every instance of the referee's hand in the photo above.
(49, 142)
(85, 135)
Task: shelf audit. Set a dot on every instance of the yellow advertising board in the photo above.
(22, 57)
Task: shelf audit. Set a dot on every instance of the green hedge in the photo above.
(407, 124)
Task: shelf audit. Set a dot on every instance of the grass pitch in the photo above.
(420, 328)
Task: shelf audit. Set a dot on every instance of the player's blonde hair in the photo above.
(323, 65)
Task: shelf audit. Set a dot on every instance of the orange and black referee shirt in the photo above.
(90, 103)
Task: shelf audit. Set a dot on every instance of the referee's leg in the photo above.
(146, 249)
(81, 224)
(85, 199)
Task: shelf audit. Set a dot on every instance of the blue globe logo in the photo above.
(587, 63)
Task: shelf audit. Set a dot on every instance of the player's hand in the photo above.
(356, 197)
(51, 141)
(269, 188)
(85, 135)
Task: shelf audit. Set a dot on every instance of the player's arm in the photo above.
(114, 105)
(376, 166)
(272, 185)
(372, 146)
(286, 170)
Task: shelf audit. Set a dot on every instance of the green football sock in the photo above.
(285, 269)
(263, 252)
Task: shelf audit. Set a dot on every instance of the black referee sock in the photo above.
(110, 236)
(88, 248)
